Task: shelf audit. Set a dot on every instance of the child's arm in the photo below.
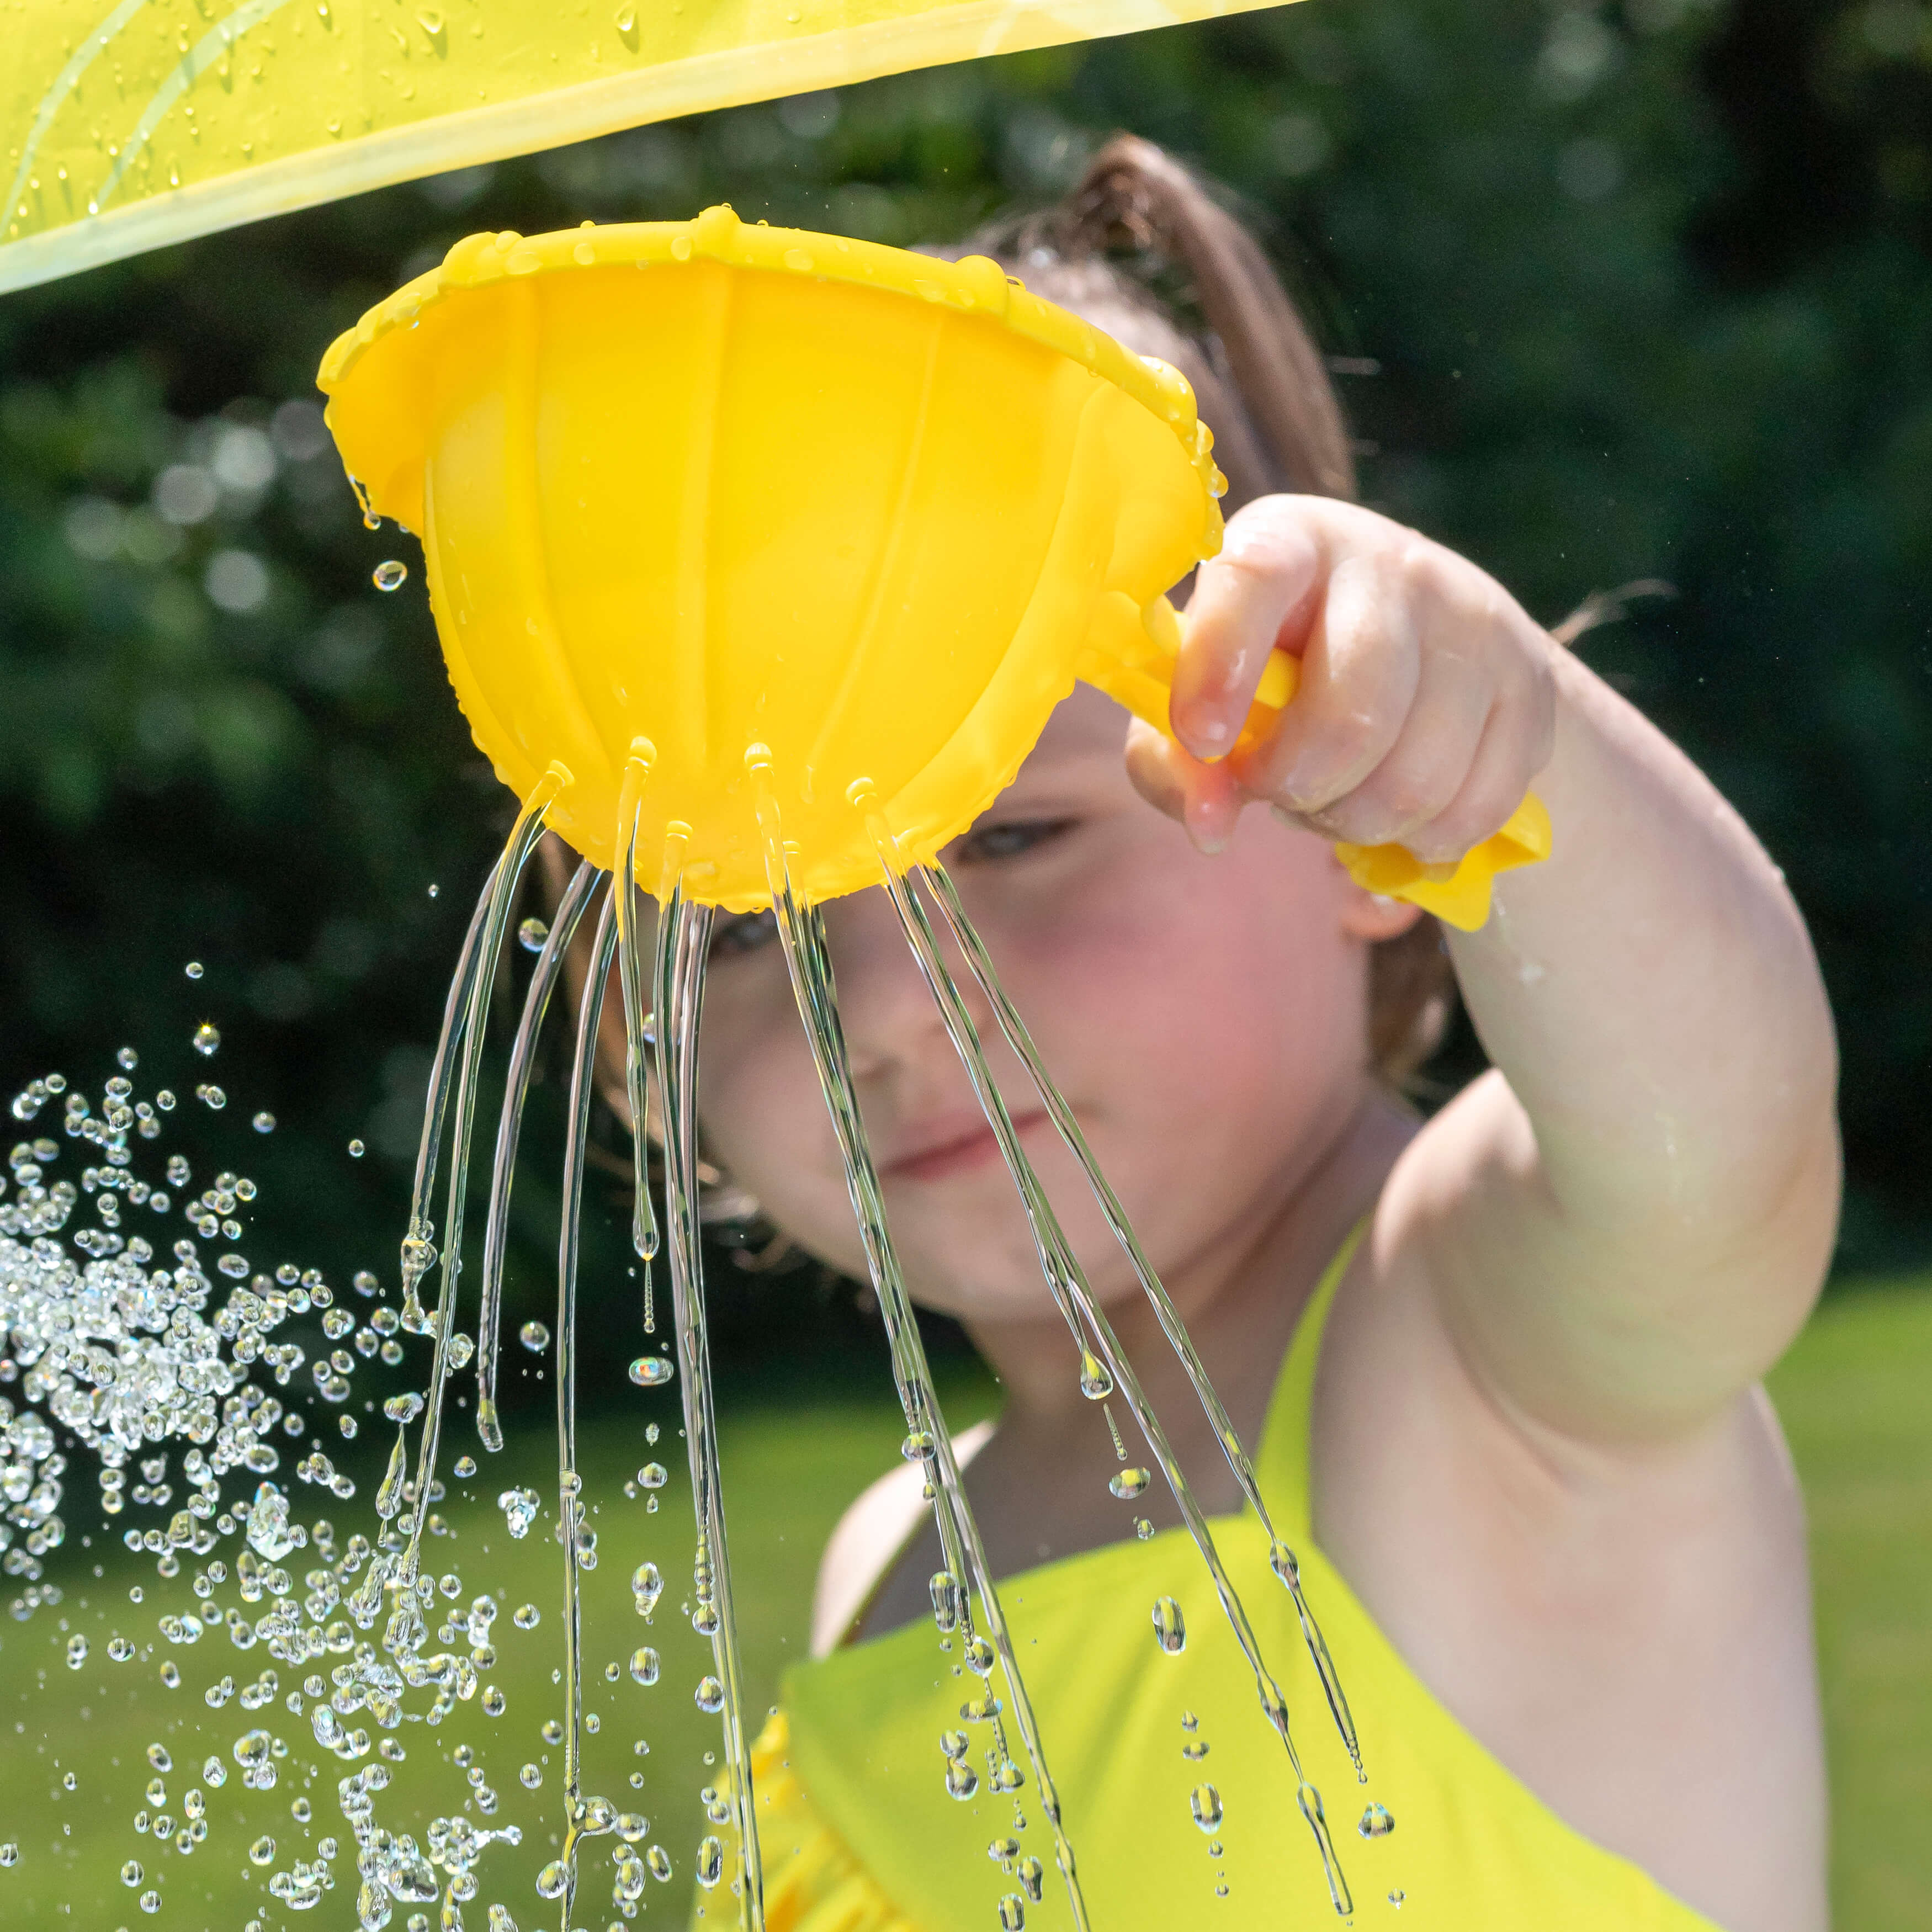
(1626, 1222)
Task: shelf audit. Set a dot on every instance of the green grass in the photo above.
(1854, 1395)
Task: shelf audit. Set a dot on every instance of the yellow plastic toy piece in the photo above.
(696, 496)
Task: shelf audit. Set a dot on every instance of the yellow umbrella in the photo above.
(127, 126)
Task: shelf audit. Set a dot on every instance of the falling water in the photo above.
(559, 1879)
(630, 966)
(967, 1606)
(684, 932)
(448, 1353)
(502, 1170)
(1084, 1316)
(1282, 1558)
(801, 935)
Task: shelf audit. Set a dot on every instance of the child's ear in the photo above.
(1373, 917)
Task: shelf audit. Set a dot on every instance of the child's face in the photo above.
(1204, 1017)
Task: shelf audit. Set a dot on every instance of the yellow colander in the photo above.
(689, 491)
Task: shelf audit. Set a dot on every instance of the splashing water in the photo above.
(129, 1358)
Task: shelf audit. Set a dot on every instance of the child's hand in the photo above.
(1426, 706)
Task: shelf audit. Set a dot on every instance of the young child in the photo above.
(1500, 1371)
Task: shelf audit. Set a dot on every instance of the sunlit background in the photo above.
(1621, 293)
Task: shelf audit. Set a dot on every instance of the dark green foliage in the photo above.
(1646, 284)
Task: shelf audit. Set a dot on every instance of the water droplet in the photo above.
(1032, 1876)
(520, 1509)
(1195, 1750)
(207, 1038)
(389, 576)
(1142, 1528)
(917, 1446)
(627, 19)
(1128, 1483)
(651, 1371)
(659, 1860)
(1096, 1384)
(77, 1651)
(653, 1476)
(710, 1862)
(980, 1658)
(1003, 1851)
(211, 1097)
(947, 1598)
(1170, 1630)
(1376, 1823)
(403, 1407)
(644, 1664)
(158, 1756)
(962, 1779)
(1204, 1802)
(435, 891)
(531, 934)
(530, 1777)
(466, 1465)
(1398, 1899)
(535, 1337)
(646, 1586)
(494, 1703)
(194, 969)
(150, 1900)
(680, 248)
(264, 1123)
(799, 260)
(552, 1880)
(709, 1695)
(262, 1851)
(1012, 1912)
(430, 22)
(131, 1873)
(356, 1150)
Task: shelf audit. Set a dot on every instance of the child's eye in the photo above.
(1008, 839)
(743, 932)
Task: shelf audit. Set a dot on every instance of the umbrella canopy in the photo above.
(127, 125)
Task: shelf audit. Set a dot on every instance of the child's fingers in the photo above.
(1359, 674)
(1265, 577)
(1514, 747)
(1205, 799)
(1426, 767)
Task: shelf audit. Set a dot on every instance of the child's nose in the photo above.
(890, 1014)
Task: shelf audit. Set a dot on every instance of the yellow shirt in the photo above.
(859, 1834)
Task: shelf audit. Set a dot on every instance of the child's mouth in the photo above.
(948, 1148)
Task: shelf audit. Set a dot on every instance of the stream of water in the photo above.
(660, 966)
(1084, 1318)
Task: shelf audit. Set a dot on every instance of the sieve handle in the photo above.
(1130, 655)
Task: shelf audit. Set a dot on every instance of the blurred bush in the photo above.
(1625, 291)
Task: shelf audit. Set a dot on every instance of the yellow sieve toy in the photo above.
(689, 491)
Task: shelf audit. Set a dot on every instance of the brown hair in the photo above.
(1136, 224)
